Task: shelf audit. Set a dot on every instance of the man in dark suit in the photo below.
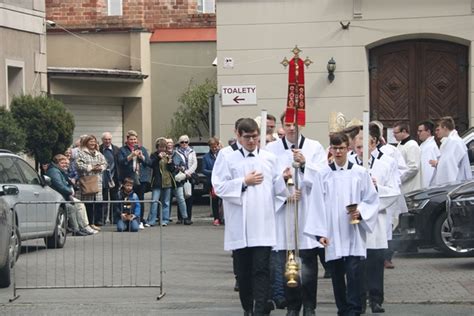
(110, 181)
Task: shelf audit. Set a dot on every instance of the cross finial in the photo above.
(296, 51)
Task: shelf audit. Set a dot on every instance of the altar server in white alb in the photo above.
(429, 151)
(410, 150)
(453, 163)
(251, 188)
(305, 152)
(343, 183)
(387, 186)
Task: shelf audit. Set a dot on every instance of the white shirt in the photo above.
(250, 213)
(314, 156)
(429, 151)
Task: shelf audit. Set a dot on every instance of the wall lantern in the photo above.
(331, 68)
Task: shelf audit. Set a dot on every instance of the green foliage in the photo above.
(48, 125)
(13, 137)
(192, 117)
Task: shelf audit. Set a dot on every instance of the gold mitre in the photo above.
(337, 122)
(354, 122)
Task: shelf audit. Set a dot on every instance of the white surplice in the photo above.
(453, 163)
(315, 155)
(341, 188)
(250, 213)
(429, 151)
(411, 179)
(389, 192)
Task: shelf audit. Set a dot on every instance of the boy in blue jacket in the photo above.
(130, 208)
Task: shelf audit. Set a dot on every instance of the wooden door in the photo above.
(419, 79)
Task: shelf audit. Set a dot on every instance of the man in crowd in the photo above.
(133, 160)
(110, 180)
(249, 183)
(350, 212)
(429, 151)
(453, 163)
(411, 178)
(304, 151)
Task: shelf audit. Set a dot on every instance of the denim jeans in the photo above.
(166, 196)
(179, 195)
(123, 226)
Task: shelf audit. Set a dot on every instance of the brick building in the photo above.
(121, 64)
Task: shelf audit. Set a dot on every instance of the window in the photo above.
(114, 7)
(9, 173)
(30, 174)
(207, 6)
(15, 79)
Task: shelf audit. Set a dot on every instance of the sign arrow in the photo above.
(237, 99)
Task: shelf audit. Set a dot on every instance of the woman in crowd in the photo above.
(91, 163)
(207, 165)
(188, 155)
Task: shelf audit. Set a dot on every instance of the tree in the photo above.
(13, 137)
(192, 117)
(48, 125)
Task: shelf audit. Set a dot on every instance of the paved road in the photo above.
(198, 278)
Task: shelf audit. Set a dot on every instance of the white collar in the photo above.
(341, 167)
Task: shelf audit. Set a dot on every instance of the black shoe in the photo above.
(292, 313)
(179, 221)
(79, 233)
(280, 302)
(248, 313)
(377, 308)
(309, 312)
(236, 286)
(188, 222)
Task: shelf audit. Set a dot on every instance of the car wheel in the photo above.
(443, 238)
(13, 251)
(58, 239)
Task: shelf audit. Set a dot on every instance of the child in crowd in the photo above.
(130, 208)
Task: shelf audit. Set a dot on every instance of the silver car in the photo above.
(19, 182)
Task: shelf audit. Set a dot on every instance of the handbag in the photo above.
(187, 189)
(89, 184)
(180, 176)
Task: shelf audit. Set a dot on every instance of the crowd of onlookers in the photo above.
(107, 183)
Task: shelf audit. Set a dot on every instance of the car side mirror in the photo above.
(46, 180)
(9, 190)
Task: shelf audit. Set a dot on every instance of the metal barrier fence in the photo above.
(108, 259)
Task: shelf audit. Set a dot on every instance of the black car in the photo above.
(460, 208)
(426, 223)
(201, 148)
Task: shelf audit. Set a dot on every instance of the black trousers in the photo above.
(140, 191)
(305, 293)
(252, 265)
(372, 273)
(95, 213)
(111, 195)
(347, 295)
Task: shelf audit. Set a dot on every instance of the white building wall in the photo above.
(259, 34)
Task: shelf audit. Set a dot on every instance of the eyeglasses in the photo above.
(338, 148)
(184, 142)
(249, 137)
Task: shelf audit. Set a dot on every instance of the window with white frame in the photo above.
(114, 7)
(207, 6)
(15, 85)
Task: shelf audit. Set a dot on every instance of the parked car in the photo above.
(426, 224)
(460, 208)
(19, 182)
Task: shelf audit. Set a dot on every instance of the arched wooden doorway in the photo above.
(415, 80)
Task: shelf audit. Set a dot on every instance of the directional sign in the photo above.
(239, 95)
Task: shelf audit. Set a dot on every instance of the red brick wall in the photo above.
(148, 14)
